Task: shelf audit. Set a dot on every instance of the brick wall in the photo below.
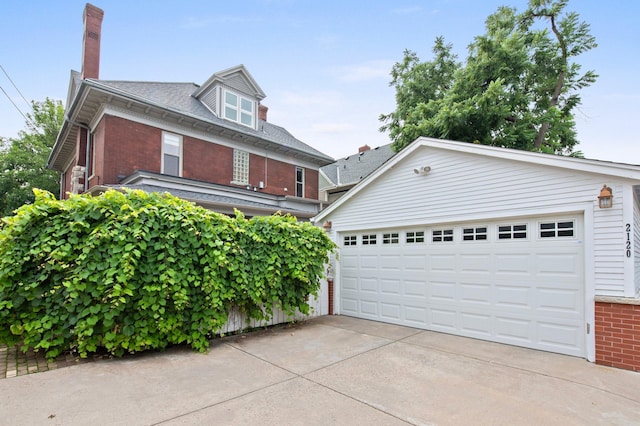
(617, 333)
(206, 161)
(128, 146)
(122, 147)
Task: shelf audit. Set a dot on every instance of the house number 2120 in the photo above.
(627, 228)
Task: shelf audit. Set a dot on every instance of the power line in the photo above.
(14, 85)
(14, 104)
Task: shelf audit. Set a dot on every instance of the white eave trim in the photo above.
(619, 170)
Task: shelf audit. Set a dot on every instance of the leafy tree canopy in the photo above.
(23, 160)
(517, 89)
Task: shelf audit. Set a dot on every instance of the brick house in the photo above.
(209, 143)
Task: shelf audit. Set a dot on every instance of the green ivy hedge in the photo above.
(133, 271)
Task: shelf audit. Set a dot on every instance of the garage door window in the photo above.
(442, 235)
(474, 234)
(557, 229)
(369, 240)
(510, 232)
(390, 238)
(350, 240)
(415, 237)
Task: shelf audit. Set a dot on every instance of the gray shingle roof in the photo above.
(354, 168)
(178, 97)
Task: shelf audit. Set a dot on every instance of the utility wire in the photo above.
(14, 104)
(14, 85)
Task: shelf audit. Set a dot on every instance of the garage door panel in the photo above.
(560, 338)
(415, 288)
(474, 263)
(441, 263)
(349, 283)
(521, 291)
(513, 295)
(369, 285)
(475, 293)
(391, 311)
(390, 286)
(416, 315)
(442, 290)
(512, 264)
(443, 319)
(369, 262)
(557, 265)
(369, 307)
(414, 262)
(559, 301)
(349, 305)
(476, 324)
(514, 330)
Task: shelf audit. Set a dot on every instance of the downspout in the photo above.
(86, 161)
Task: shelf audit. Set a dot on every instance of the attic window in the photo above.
(239, 109)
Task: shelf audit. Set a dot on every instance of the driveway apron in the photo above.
(329, 370)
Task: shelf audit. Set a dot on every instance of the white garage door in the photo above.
(518, 282)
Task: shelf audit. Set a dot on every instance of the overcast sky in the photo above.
(324, 65)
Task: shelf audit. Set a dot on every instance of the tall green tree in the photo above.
(517, 89)
(23, 160)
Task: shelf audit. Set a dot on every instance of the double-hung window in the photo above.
(239, 109)
(299, 182)
(171, 154)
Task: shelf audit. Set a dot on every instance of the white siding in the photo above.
(635, 250)
(463, 186)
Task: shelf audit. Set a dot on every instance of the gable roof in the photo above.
(620, 170)
(352, 169)
(167, 101)
(237, 77)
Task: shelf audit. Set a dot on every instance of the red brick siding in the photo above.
(128, 146)
(122, 147)
(617, 334)
(206, 161)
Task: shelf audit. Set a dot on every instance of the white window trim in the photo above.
(238, 108)
(180, 154)
(235, 181)
(302, 182)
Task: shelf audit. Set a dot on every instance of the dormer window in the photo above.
(239, 109)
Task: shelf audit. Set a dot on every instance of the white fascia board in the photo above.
(628, 171)
(619, 170)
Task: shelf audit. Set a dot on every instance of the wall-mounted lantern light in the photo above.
(605, 199)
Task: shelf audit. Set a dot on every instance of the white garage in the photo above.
(489, 243)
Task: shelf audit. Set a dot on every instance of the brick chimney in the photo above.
(364, 148)
(262, 112)
(92, 17)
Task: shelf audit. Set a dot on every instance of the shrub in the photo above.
(135, 271)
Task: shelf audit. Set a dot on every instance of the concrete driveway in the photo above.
(329, 370)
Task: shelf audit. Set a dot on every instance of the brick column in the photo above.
(617, 334)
